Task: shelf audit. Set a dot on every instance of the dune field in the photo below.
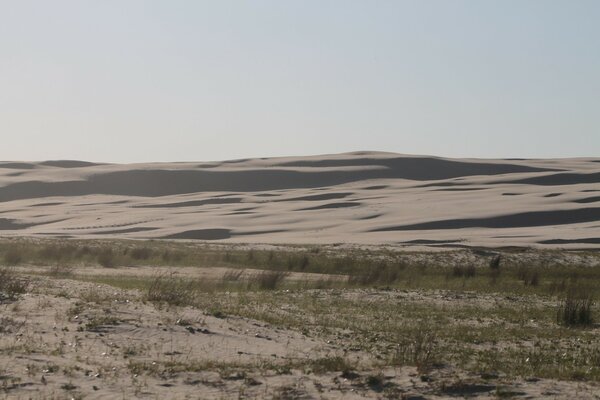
(368, 198)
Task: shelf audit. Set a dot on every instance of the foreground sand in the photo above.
(71, 339)
(363, 198)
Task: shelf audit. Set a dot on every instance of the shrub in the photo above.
(11, 285)
(172, 256)
(304, 261)
(418, 350)
(233, 275)
(460, 271)
(57, 252)
(529, 276)
(331, 364)
(106, 258)
(381, 273)
(141, 253)
(61, 271)
(268, 280)
(165, 288)
(495, 261)
(576, 308)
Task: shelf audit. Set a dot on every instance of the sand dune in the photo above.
(361, 198)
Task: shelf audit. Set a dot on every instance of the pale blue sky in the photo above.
(130, 81)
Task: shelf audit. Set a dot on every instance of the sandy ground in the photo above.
(361, 198)
(70, 339)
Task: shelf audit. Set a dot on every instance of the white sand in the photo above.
(357, 198)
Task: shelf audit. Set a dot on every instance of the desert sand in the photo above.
(367, 198)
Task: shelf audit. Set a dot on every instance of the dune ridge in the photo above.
(355, 198)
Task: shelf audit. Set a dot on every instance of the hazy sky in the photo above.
(129, 81)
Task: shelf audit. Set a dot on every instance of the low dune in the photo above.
(356, 198)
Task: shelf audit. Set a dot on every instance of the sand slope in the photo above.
(364, 198)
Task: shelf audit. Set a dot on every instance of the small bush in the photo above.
(576, 308)
(106, 258)
(141, 253)
(376, 382)
(268, 280)
(330, 364)
(11, 285)
(529, 276)
(495, 261)
(165, 288)
(57, 252)
(60, 271)
(460, 271)
(169, 256)
(557, 286)
(418, 350)
(381, 273)
(233, 275)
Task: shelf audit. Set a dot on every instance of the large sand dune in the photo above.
(363, 198)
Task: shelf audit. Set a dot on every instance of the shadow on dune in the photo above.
(17, 165)
(194, 203)
(67, 164)
(421, 168)
(457, 189)
(331, 206)
(214, 234)
(558, 179)
(588, 200)
(47, 204)
(11, 225)
(317, 197)
(520, 220)
(367, 217)
(376, 187)
(154, 183)
(430, 241)
(571, 241)
(128, 230)
(202, 234)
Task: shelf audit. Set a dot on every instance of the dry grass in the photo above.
(576, 308)
(268, 280)
(165, 288)
(11, 283)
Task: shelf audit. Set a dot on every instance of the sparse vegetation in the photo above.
(368, 310)
(11, 283)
